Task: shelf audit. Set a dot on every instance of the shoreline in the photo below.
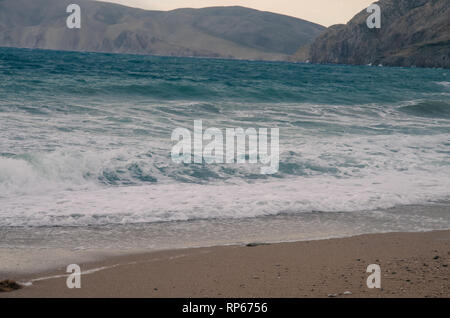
(413, 264)
(46, 249)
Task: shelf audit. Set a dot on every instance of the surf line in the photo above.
(102, 268)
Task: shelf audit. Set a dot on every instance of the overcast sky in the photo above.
(325, 12)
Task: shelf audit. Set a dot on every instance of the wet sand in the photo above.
(412, 265)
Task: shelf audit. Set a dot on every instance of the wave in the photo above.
(127, 185)
(70, 170)
(181, 202)
(142, 164)
(434, 109)
(445, 84)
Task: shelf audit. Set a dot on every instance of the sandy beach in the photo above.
(412, 265)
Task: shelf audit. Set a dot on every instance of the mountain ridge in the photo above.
(220, 32)
(412, 33)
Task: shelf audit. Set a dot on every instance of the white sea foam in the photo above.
(333, 158)
(444, 83)
(353, 173)
(183, 202)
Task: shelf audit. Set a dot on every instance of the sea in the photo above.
(86, 167)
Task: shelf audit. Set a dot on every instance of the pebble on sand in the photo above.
(9, 285)
(254, 244)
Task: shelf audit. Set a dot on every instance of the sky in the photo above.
(325, 12)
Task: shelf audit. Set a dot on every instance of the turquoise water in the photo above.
(85, 139)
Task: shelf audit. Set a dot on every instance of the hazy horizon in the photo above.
(324, 12)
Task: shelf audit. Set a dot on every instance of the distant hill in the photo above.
(225, 32)
(413, 33)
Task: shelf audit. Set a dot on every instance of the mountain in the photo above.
(225, 32)
(412, 33)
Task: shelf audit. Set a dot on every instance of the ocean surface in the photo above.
(85, 143)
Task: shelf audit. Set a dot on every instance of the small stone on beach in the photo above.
(255, 244)
(9, 285)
